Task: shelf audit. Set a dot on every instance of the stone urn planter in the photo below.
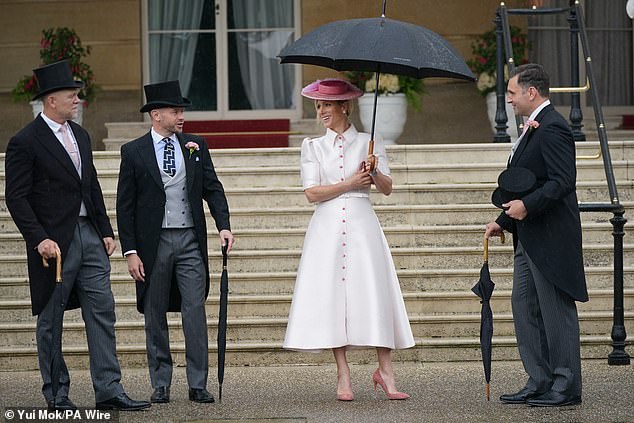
(391, 115)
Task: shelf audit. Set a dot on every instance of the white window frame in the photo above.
(222, 66)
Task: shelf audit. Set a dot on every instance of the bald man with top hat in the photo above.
(164, 177)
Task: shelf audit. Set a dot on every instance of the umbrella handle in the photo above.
(486, 246)
(371, 156)
(58, 265)
(224, 255)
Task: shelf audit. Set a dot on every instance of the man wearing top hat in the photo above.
(165, 175)
(540, 210)
(56, 202)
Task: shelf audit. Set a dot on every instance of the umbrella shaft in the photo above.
(376, 100)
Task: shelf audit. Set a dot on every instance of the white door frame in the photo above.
(222, 71)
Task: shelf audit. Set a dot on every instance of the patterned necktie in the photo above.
(169, 160)
(70, 148)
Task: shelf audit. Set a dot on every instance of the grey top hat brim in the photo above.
(160, 104)
(50, 90)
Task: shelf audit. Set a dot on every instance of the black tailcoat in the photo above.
(551, 232)
(141, 204)
(44, 194)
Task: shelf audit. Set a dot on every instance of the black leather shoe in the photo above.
(122, 402)
(519, 397)
(62, 403)
(200, 395)
(554, 399)
(161, 395)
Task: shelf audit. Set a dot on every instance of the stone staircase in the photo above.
(434, 222)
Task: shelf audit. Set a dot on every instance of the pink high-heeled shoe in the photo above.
(345, 397)
(378, 379)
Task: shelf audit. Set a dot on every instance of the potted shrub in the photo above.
(59, 44)
(395, 93)
(484, 63)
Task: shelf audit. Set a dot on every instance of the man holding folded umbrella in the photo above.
(548, 268)
(164, 177)
(56, 202)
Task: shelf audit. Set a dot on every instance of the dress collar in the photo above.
(349, 134)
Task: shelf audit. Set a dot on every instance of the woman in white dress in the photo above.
(347, 293)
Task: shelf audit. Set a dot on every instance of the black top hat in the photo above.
(55, 77)
(164, 94)
(513, 184)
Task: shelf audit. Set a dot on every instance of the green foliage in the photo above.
(59, 44)
(484, 60)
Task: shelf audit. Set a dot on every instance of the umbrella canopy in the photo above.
(222, 321)
(378, 45)
(484, 289)
(58, 319)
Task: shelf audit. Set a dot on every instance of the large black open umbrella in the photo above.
(222, 321)
(378, 45)
(58, 319)
(484, 289)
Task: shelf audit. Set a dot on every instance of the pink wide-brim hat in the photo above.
(331, 89)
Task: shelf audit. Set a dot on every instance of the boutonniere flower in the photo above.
(532, 124)
(192, 147)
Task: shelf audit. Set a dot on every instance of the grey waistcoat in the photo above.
(177, 211)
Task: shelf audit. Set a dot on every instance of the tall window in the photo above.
(224, 53)
(610, 42)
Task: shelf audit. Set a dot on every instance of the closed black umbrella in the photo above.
(222, 321)
(58, 319)
(378, 45)
(484, 289)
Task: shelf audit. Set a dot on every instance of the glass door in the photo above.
(224, 53)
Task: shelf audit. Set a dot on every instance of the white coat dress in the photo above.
(347, 293)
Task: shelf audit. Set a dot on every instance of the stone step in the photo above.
(404, 258)
(397, 154)
(289, 176)
(397, 236)
(272, 354)
(246, 330)
(297, 217)
(415, 194)
(277, 306)
(282, 283)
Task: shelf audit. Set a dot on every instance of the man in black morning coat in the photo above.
(164, 177)
(56, 202)
(548, 271)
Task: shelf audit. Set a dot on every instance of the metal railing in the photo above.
(504, 55)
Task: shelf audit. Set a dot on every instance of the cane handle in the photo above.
(58, 265)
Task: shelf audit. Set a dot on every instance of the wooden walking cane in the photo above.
(58, 316)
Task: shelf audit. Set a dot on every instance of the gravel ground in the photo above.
(441, 392)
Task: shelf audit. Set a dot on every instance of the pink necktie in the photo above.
(70, 148)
